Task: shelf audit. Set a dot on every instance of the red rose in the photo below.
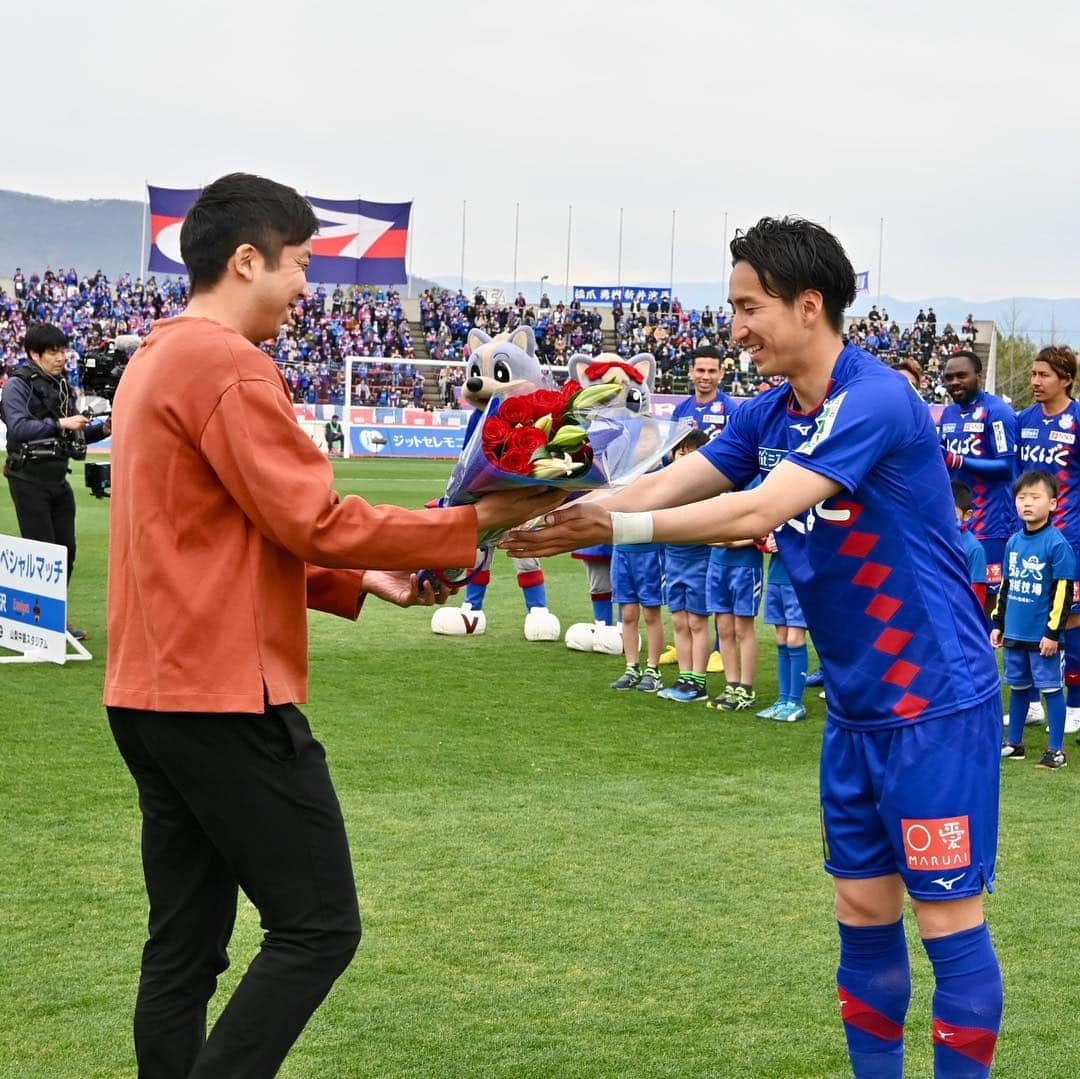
(526, 438)
(496, 431)
(515, 410)
(570, 387)
(547, 403)
(518, 461)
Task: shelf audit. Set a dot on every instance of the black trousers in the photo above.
(46, 512)
(228, 801)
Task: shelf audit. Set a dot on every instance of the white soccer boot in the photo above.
(460, 621)
(541, 625)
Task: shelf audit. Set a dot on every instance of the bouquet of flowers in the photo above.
(562, 438)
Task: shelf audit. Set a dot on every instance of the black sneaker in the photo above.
(629, 678)
(1012, 752)
(1052, 759)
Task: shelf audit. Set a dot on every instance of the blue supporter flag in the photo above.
(862, 282)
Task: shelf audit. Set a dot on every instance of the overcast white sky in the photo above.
(957, 122)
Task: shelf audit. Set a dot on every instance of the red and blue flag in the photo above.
(358, 242)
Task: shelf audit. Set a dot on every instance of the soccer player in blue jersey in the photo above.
(1049, 431)
(978, 438)
(637, 587)
(708, 407)
(857, 492)
(733, 596)
(783, 613)
(1030, 614)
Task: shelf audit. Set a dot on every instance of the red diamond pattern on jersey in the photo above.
(973, 1042)
(901, 673)
(858, 544)
(858, 1013)
(893, 641)
(871, 575)
(883, 608)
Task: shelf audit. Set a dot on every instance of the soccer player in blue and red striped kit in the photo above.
(856, 490)
(1049, 432)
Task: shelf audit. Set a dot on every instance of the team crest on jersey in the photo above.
(1066, 423)
(979, 413)
(716, 406)
(823, 425)
(940, 843)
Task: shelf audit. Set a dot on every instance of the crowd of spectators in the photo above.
(331, 326)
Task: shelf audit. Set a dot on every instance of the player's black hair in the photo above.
(44, 336)
(241, 209)
(967, 354)
(695, 439)
(1033, 477)
(961, 496)
(791, 255)
(707, 352)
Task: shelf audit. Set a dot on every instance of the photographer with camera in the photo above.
(44, 431)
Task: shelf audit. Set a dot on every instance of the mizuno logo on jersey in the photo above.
(947, 884)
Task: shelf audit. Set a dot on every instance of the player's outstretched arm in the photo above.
(688, 479)
(789, 491)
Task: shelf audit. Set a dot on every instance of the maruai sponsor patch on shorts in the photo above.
(941, 843)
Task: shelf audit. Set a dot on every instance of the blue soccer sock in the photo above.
(874, 984)
(1055, 717)
(602, 608)
(1019, 701)
(783, 670)
(531, 583)
(798, 660)
(967, 1003)
(476, 589)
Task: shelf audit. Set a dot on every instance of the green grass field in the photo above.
(556, 880)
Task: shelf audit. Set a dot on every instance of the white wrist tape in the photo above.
(629, 528)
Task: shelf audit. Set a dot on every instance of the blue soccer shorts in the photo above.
(733, 589)
(782, 606)
(686, 570)
(919, 800)
(1024, 668)
(637, 576)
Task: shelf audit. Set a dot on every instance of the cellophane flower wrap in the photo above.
(564, 438)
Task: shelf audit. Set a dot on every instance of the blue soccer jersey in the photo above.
(1037, 588)
(974, 557)
(1050, 443)
(984, 430)
(878, 568)
(711, 417)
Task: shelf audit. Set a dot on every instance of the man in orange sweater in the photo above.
(225, 529)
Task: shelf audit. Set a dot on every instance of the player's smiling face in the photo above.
(961, 380)
(773, 331)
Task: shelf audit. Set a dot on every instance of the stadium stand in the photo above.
(375, 323)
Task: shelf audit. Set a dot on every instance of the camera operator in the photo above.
(44, 430)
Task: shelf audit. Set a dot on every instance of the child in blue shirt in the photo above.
(1030, 615)
(783, 613)
(974, 553)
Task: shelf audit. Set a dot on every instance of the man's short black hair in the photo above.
(707, 352)
(961, 496)
(241, 209)
(43, 337)
(791, 255)
(695, 439)
(967, 354)
(1033, 477)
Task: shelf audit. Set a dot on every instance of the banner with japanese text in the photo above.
(33, 598)
(624, 294)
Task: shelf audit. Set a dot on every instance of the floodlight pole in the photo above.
(618, 275)
(671, 273)
(569, 225)
(461, 280)
(880, 244)
(517, 221)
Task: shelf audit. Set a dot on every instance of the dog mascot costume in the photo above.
(636, 379)
(495, 364)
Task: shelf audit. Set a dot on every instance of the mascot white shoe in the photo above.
(541, 625)
(460, 621)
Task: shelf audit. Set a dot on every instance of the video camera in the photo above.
(98, 475)
(66, 446)
(100, 370)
